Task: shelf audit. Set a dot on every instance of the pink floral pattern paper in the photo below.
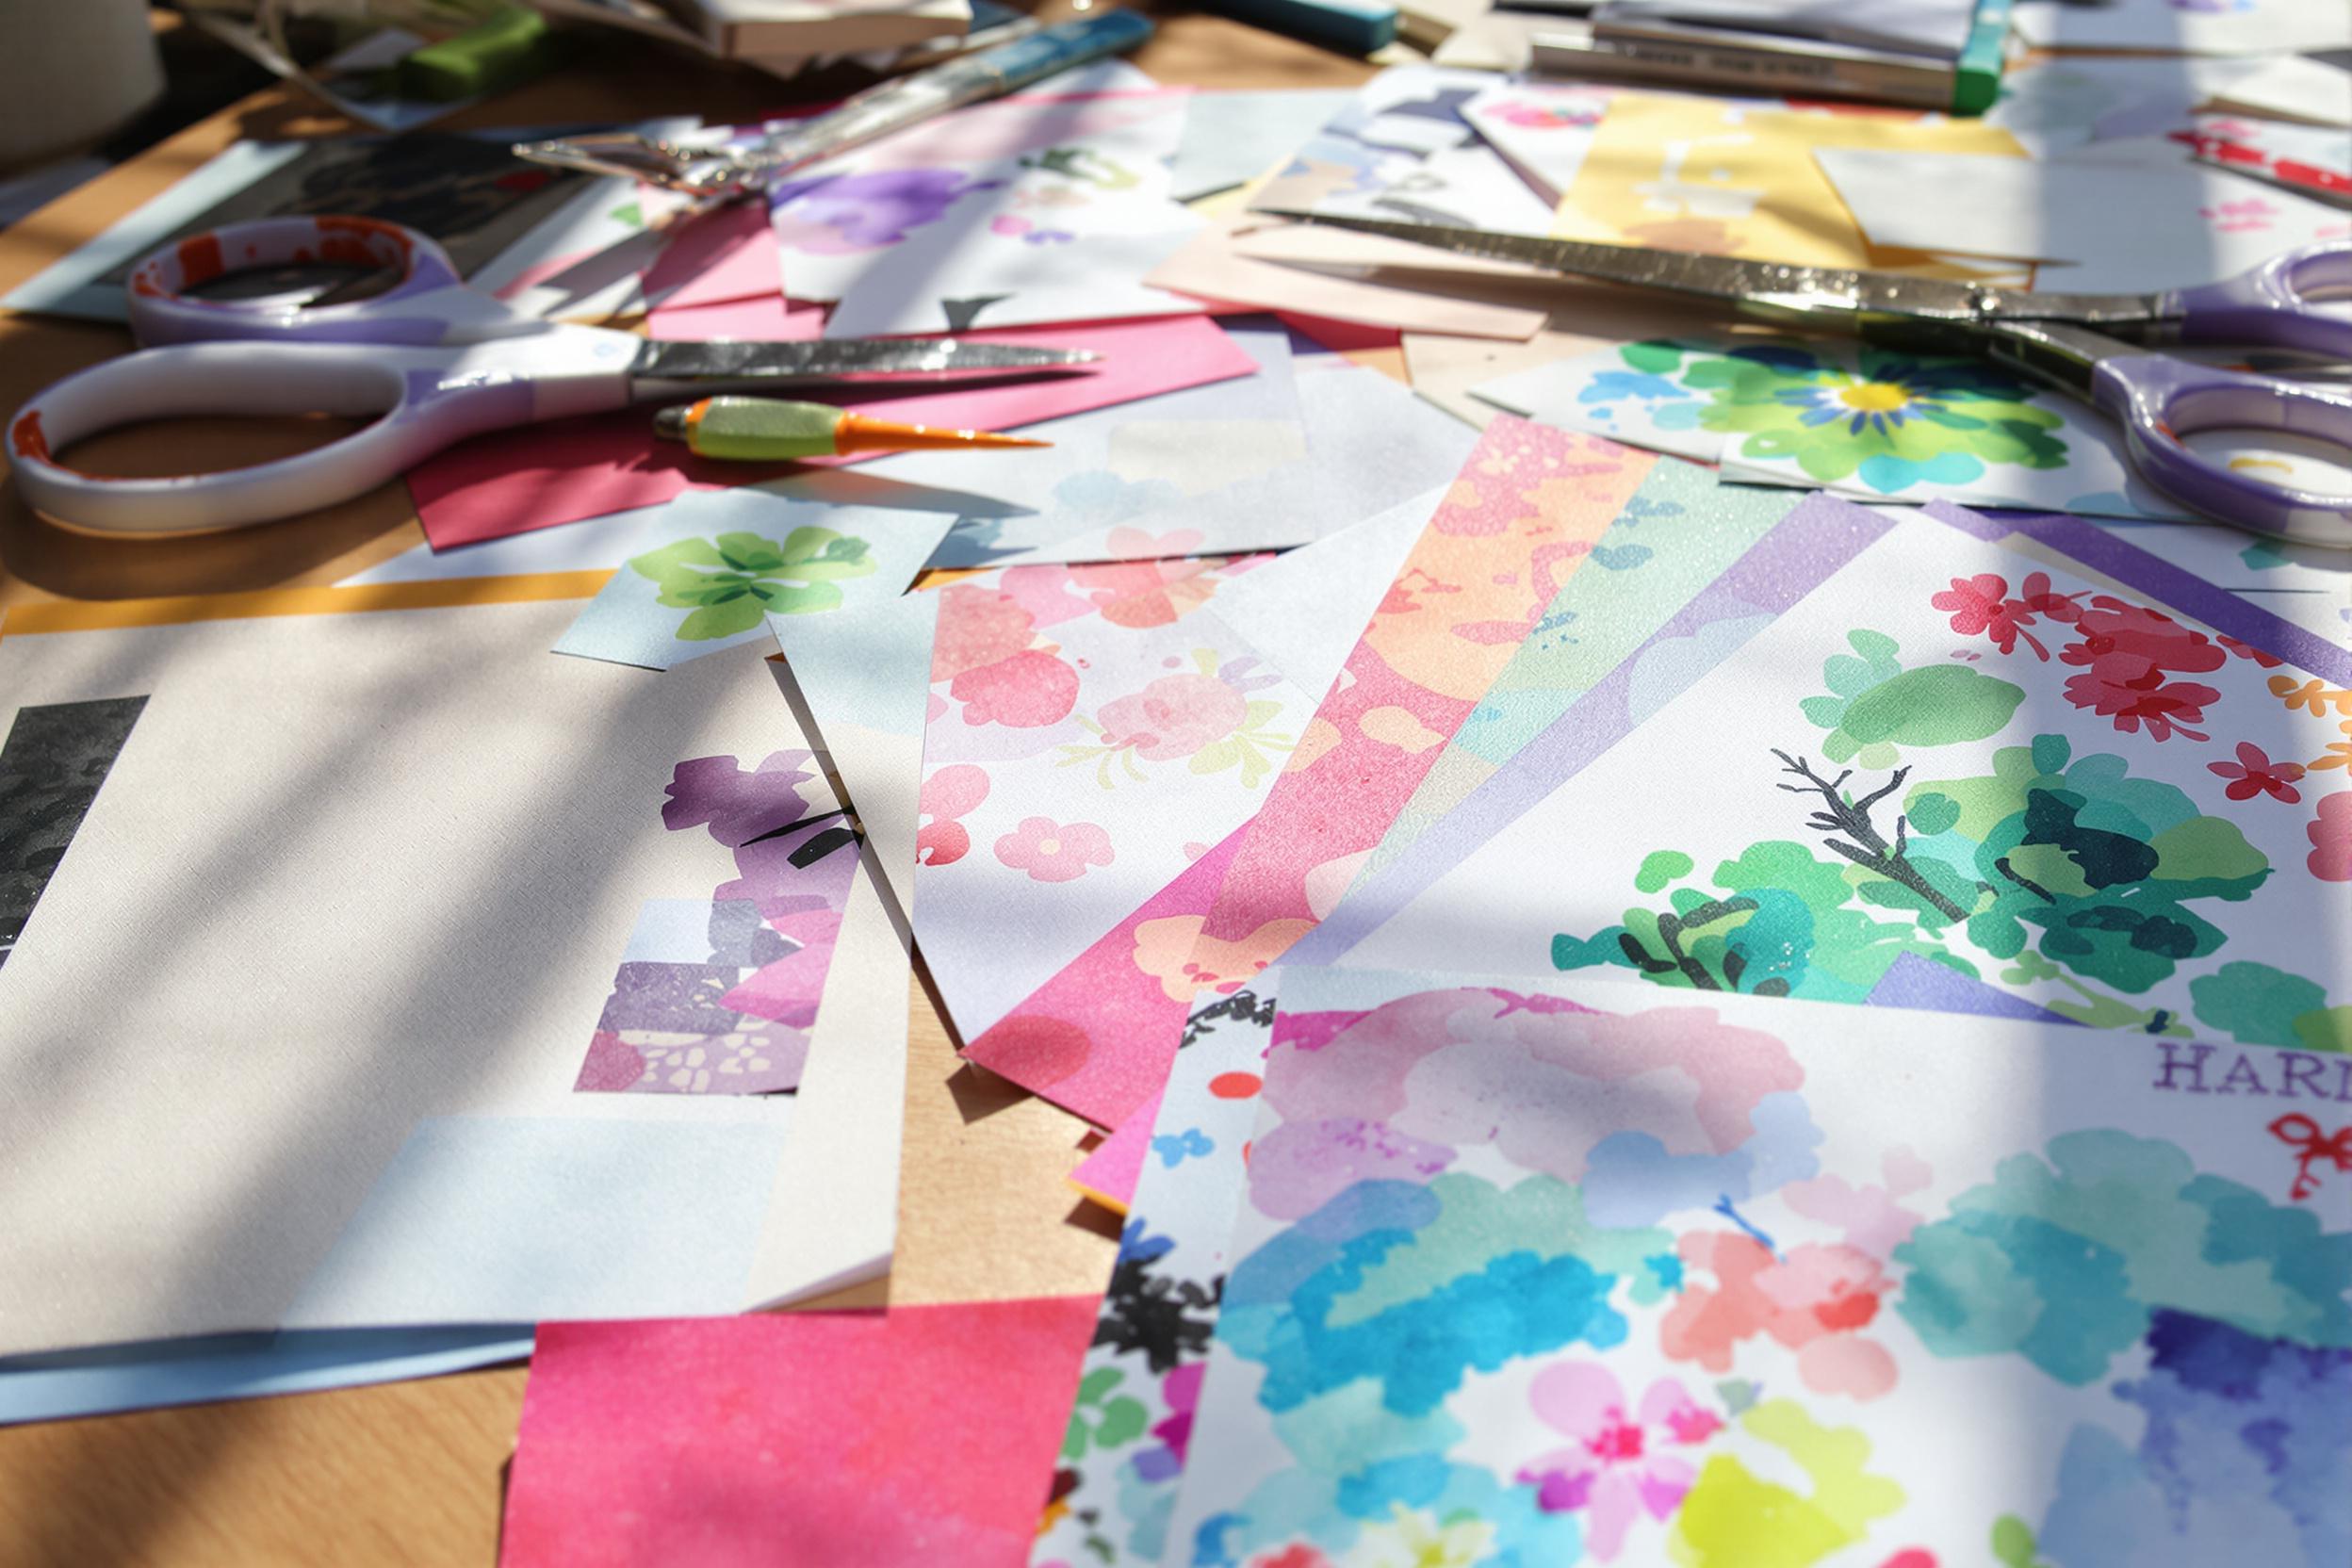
(1092, 732)
(1522, 517)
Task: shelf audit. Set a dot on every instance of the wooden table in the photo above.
(413, 1473)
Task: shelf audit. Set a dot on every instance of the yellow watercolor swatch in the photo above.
(1702, 174)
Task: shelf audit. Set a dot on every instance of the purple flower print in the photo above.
(836, 214)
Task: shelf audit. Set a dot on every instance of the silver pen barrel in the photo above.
(893, 105)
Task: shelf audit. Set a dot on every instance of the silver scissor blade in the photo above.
(852, 361)
(1769, 287)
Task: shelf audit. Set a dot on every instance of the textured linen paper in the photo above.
(340, 865)
(1162, 1301)
(2117, 228)
(2109, 807)
(1518, 521)
(731, 560)
(541, 475)
(917, 1437)
(1555, 1271)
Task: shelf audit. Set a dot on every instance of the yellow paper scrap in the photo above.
(1699, 174)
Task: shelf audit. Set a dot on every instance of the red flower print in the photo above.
(2113, 631)
(2128, 650)
(2149, 701)
(2247, 650)
(1980, 606)
(2254, 774)
(1174, 717)
(1301, 1555)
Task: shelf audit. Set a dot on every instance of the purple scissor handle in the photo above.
(2273, 304)
(2159, 399)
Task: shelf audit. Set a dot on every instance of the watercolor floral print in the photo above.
(1092, 729)
(1890, 418)
(733, 584)
(717, 996)
(2066, 871)
(1590, 1331)
(1860, 421)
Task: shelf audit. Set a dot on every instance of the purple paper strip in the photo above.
(2107, 552)
(1912, 981)
(1803, 549)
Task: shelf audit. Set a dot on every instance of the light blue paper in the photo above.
(555, 1216)
(157, 1373)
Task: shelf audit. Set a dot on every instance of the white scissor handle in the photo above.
(426, 398)
(426, 305)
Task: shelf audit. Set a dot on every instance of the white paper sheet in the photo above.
(344, 915)
(1019, 211)
(1231, 137)
(2186, 26)
(2117, 229)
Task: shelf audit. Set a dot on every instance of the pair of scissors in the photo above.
(2090, 345)
(436, 360)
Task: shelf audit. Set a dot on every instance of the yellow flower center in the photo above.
(1049, 846)
(1875, 397)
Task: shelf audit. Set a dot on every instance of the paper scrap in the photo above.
(1684, 174)
(391, 1138)
(1863, 421)
(916, 1437)
(1023, 210)
(1759, 1230)
(2118, 228)
(730, 559)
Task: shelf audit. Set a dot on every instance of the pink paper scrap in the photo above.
(537, 476)
(919, 1437)
(1109, 1174)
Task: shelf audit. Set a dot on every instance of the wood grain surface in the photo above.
(413, 1473)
